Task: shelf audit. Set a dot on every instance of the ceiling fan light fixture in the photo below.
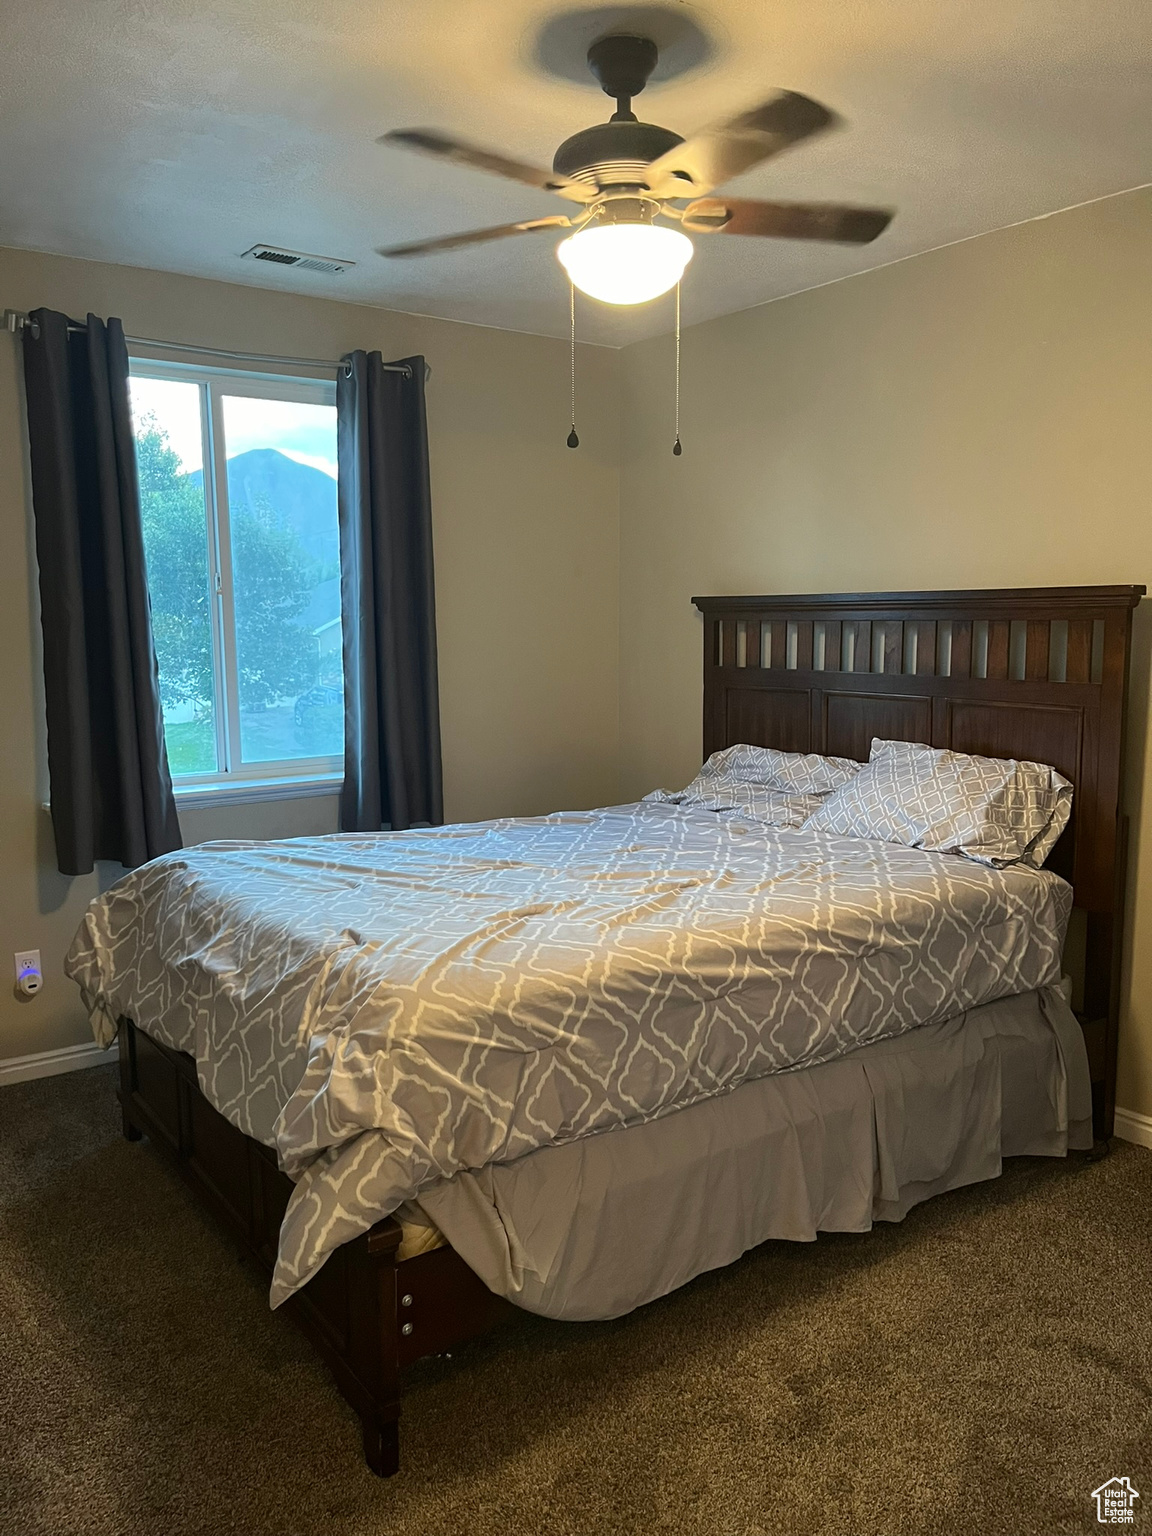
(625, 263)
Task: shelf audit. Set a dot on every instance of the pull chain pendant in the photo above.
(572, 440)
(676, 448)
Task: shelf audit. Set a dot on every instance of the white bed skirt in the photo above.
(596, 1227)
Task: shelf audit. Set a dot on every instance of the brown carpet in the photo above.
(978, 1369)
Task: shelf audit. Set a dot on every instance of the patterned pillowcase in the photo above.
(781, 789)
(727, 797)
(1039, 800)
(994, 810)
(798, 773)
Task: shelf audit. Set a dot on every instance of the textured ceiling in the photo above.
(177, 133)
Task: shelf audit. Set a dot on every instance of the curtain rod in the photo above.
(15, 321)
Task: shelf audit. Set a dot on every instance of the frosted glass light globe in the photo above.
(625, 263)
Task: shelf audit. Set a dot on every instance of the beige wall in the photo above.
(978, 416)
(526, 539)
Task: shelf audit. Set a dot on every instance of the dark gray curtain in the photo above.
(392, 774)
(111, 789)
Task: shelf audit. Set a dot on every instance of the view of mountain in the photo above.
(299, 497)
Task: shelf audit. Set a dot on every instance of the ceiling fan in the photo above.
(626, 174)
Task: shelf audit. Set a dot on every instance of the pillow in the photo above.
(781, 789)
(774, 807)
(799, 773)
(994, 810)
(1037, 796)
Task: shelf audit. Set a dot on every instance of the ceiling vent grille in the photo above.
(278, 256)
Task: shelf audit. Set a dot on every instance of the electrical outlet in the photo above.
(29, 976)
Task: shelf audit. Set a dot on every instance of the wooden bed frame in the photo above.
(1036, 673)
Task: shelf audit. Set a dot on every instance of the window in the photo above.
(238, 498)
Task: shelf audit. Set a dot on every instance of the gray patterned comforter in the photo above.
(389, 1009)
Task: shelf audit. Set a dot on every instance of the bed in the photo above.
(278, 1009)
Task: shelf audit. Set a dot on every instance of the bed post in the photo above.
(351, 1308)
(368, 1314)
(132, 1132)
(374, 1344)
(381, 1445)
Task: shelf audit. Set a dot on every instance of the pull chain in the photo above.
(676, 448)
(573, 440)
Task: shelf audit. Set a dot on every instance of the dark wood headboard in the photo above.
(1038, 672)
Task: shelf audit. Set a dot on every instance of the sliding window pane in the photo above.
(285, 577)
(170, 458)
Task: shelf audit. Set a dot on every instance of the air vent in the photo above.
(297, 259)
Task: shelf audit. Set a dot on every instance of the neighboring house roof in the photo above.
(323, 606)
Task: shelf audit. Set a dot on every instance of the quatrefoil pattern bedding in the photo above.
(389, 1009)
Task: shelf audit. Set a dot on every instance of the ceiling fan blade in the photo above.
(475, 237)
(427, 141)
(718, 153)
(786, 221)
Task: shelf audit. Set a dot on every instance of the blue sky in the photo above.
(306, 433)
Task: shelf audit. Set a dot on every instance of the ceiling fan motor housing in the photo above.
(614, 153)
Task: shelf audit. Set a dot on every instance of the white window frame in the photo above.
(235, 780)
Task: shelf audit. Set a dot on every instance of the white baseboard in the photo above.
(1133, 1127)
(21, 1069)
